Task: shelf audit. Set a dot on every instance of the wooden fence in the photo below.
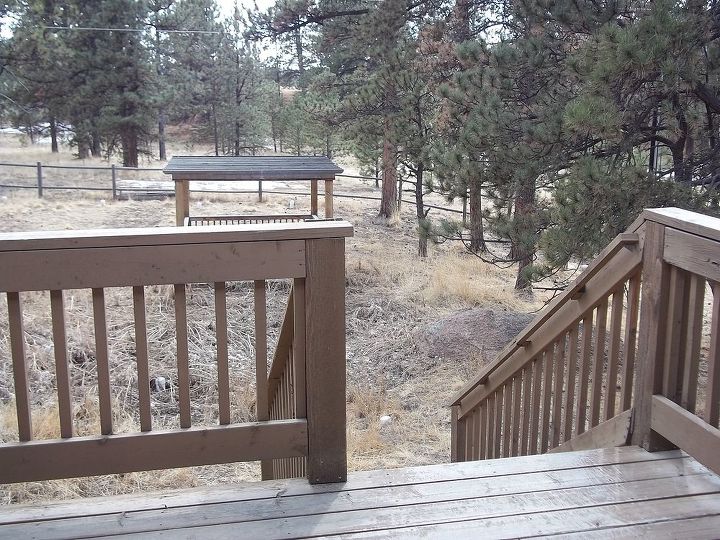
(309, 426)
(616, 358)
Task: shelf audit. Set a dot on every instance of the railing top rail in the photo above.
(621, 241)
(102, 238)
(684, 220)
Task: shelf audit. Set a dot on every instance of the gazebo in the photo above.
(185, 169)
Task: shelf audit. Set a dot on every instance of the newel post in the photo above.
(651, 337)
(325, 360)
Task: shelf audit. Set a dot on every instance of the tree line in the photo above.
(559, 120)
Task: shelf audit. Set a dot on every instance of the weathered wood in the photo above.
(325, 360)
(182, 202)
(20, 367)
(252, 168)
(328, 199)
(490, 444)
(102, 361)
(457, 437)
(314, 197)
(570, 385)
(585, 363)
(712, 396)
(651, 342)
(261, 373)
(687, 431)
(692, 253)
(141, 358)
(516, 415)
(682, 220)
(62, 369)
(526, 411)
(691, 360)
(675, 332)
(162, 236)
(598, 363)
(88, 456)
(613, 432)
(183, 365)
(221, 345)
(506, 418)
(630, 344)
(546, 396)
(298, 349)
(613, 353)
(534, 410)
(128, 266)
(559, 369)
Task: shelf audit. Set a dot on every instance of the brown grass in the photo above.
(391, 296)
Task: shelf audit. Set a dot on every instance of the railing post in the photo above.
(651, 337)
(457, 436)
(114, 181)
(314, 197)
(259, 190)
(328, 199)
(325, 360)
(39, 179)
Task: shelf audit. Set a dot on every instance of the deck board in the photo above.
(610, 490)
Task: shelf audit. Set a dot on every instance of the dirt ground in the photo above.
(396, 307)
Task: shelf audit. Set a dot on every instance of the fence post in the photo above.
(114, 181)
(325, 360)
(39, 179)
(259, 190)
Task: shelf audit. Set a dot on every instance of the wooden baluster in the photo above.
(102, 360)
(630, 344)
(183, 362)
(614, 352)
(712, 396)
(598, 362)
(691, 363)
(582, 404)
(20, 368)
(470, 436)
(506, 418)
(571, 376)
(261, 375)
(546, 395)
(676, 332)
(298, 349)
(559, 369)
(221, 340)
(497, 421)
(534, 436)
(490, 442)
(62, 372)
(516, 420)
(482, 429)
(526, 412)
(141, 357)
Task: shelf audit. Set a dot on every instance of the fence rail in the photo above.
(40, 184)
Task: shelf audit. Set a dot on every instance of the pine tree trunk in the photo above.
(53, 136)
(130, 148)
(524, 247)
(477, 235)
(420, 212)
(389, 173)
(95, 145)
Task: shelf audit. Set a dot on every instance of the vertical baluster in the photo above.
(221, 340)
(675, 333)
(517, 397)
(582, 404)
(524, 435)
(470, 436)
(559, 369)
(546, 395)
(712, 396)
(482, 429)
(571, 376)
(102, 360)
(630, 344)
(141, 357)
(598, 362)
(490, 444)
(507, 418)
(691, 363)
(183, 362)
(298, 348)
(62, 373)
(534, 410)
(497, 437)
(457, 442)
(261, 376)
(20, 368)
(614, 352)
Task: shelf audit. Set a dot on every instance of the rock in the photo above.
(385, 420)
(478, 333)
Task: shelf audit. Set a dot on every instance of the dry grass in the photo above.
(391, 297)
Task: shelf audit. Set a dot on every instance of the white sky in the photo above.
(227, 6)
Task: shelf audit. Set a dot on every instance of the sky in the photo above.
(227, 6)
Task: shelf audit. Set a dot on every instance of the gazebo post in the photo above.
(314, 197)
(328, 199)
(182, 201)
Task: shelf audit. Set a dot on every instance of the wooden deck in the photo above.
(623, 492)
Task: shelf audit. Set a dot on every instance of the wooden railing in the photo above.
(308, 428)
(579, 376)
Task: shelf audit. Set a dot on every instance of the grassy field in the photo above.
(392, 297)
